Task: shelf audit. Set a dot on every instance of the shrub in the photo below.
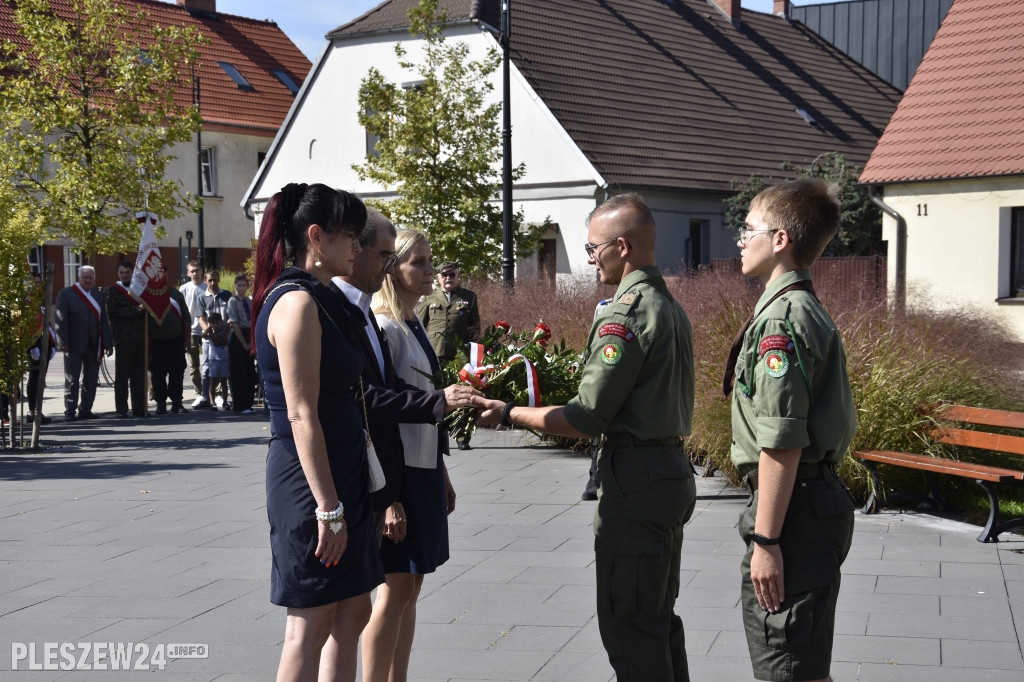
(895, 363)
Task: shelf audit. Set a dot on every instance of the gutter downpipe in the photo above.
(900, 288)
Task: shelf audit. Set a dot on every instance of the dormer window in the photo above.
(286, 80)
(237, 77)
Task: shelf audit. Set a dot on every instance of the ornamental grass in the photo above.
(896, 362)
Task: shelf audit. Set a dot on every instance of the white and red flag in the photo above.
(149, 281)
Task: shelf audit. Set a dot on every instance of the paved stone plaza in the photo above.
(154, 531)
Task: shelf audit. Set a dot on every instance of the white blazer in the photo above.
(418, 440)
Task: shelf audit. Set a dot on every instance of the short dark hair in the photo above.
(212, 272)
(126, 264)
(641, 215)
(241, 278)
(375, 221)
(807, 210)
(214, 317)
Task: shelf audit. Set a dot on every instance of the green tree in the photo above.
(19, 298)
(860, 220)
(90, 88)
(439, 148)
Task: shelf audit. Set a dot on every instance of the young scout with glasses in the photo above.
(792, 421)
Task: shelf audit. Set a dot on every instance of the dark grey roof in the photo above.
(673, 95)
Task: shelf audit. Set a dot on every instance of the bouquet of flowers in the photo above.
(524, 368)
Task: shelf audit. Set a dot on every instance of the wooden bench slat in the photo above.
(943, 466)
(982, 417)
(979, 439)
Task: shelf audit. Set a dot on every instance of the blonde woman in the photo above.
(429, 497)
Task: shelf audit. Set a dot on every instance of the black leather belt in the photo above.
(614, 439)
(803, 472)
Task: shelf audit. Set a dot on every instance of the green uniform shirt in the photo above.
(792, 391)
(638, 376)
(443, 318)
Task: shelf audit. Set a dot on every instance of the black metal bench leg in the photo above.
(876, 499)
(989, 533)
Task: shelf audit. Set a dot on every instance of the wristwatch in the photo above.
(505, 413)
(763, 541)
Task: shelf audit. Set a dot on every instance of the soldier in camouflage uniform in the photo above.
(636, 395)
(793, 419)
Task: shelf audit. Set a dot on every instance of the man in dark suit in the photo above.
(83, 335)
(127, 324)
(389, 400)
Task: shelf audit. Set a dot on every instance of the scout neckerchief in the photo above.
(737, 343)
(93, 306)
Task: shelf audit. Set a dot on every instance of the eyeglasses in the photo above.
(744, 234)
(448, 273)
(389, 261)
(590, 248)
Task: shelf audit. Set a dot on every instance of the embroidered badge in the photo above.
(628, 299)
(616, 329)
(775, 343)
(776, 364)
(611, 354)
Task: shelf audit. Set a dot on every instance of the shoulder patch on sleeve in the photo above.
(611, 354)
(776, 342)
(776, 364)
(616, 329)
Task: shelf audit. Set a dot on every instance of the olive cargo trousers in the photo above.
(647, 493)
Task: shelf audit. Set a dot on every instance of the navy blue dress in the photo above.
(297, 578)
(425, 546)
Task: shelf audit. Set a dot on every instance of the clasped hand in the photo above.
(460, 395)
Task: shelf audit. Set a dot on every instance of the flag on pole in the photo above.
(149, 281)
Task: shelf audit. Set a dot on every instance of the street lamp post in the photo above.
(508, 263)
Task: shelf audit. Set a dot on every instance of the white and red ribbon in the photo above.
(95, 308)
(477, 374)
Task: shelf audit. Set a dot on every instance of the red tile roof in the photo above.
(672, 95)
(963, 113)
(255, 47)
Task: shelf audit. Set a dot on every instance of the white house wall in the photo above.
(324, 138)
(224, 223)
(958, 241)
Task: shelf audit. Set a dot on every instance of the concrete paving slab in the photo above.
(188, 561)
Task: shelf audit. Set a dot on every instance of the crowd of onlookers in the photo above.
(203, 323)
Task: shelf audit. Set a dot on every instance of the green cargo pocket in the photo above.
(632, 575)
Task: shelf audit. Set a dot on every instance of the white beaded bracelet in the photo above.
(332, 519)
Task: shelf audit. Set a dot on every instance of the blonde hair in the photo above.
(386, 301)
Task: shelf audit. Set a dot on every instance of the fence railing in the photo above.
(862, 277)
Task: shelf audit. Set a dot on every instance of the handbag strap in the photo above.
(362, 391)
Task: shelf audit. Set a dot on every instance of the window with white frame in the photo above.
(208, 168)
(35, 259)
(72, 261)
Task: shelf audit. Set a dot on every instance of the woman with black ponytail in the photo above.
(325, 558)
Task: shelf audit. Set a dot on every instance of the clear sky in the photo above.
(306, 21)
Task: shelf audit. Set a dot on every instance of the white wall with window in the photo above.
(963, 244)
(208, 165)
(230, 161)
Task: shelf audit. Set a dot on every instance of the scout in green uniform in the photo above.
(793, 419)
(450, 311)
(636, 394)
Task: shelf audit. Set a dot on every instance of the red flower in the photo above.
(503, 326)
(542, 332)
